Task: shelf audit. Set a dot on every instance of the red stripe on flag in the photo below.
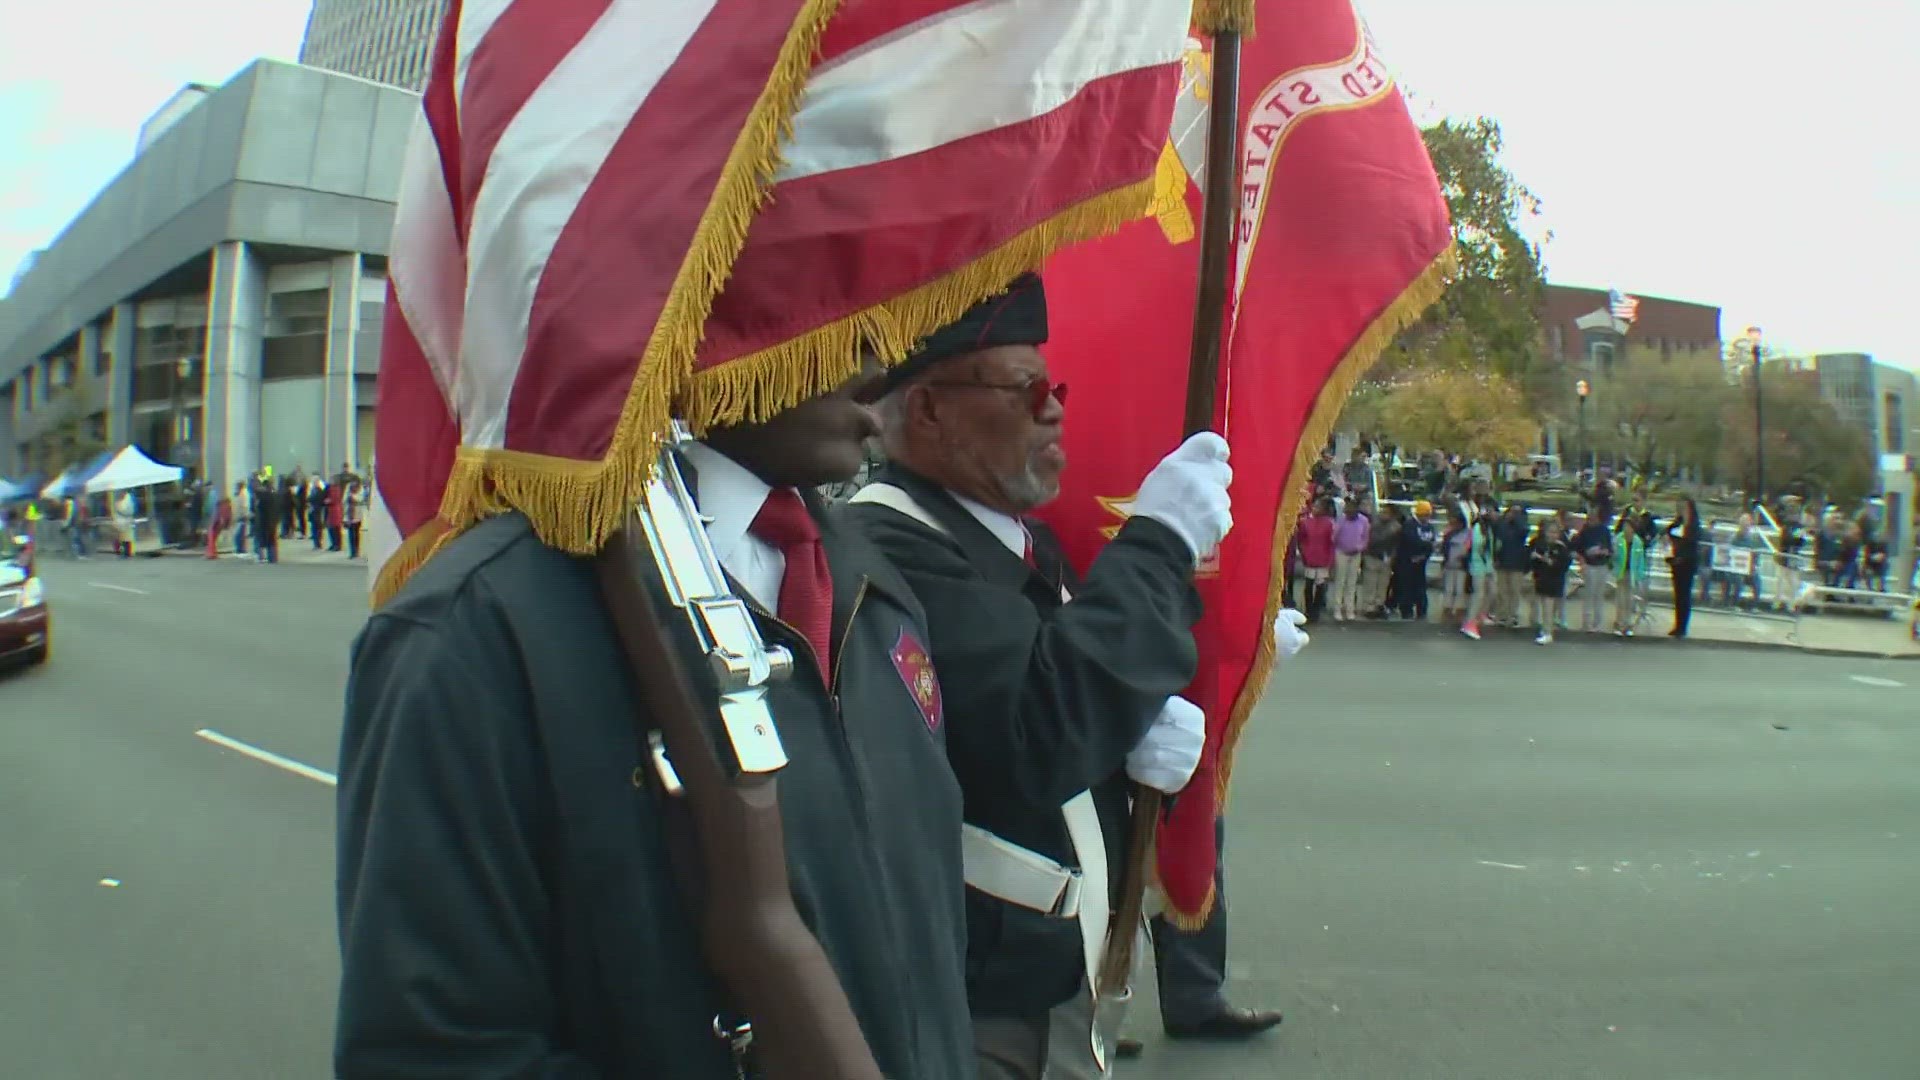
(608, 277)
(865, 235)
(443, 113)
(414, 442)
(857, 25)
(520, 50)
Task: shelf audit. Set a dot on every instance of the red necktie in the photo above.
(806, 589)
(1028, 554)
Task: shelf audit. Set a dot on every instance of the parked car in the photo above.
(26, 630)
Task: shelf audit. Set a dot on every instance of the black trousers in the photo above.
(1682, 596)
(353, 541)
(1191, 967)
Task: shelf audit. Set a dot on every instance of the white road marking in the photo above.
(1501, 865)
(1875, 680)
(271, 758)
(110, 882)
(119, 588)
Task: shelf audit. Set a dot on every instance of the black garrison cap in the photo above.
(1017, 316)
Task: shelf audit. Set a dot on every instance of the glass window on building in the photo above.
(296, 335)
(1894, 425)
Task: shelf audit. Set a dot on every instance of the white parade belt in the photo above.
(1006, 871)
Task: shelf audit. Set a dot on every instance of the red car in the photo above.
(26, 631)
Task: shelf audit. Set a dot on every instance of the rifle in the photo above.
(712, 753)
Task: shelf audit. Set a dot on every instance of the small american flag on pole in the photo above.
(1625, 308)
(614, 212)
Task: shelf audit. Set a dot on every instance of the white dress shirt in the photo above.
(1005, 527)
(731, 496)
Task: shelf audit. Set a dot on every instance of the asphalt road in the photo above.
(1447, 860)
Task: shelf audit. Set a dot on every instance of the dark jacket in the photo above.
(1551, 558)
(1046, 700)
(1384, 541)
(1510, 544)
(1594, 536)
(1683, 544)
(505, 898)
(1416, 543)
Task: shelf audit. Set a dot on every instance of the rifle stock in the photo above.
(768, 961)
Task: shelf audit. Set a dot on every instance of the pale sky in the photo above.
(1755, 154)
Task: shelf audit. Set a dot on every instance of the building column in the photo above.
(119, 345)
(343, 329)
(84, 362)
(236, 326)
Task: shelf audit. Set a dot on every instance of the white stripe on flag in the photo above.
(380, 537)
(476, 18)
(545, 161)
(425, 265)
(1015, 59)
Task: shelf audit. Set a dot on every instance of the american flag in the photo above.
(1625, 308)
(580, 187)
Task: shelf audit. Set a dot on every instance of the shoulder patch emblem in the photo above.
(910, 659)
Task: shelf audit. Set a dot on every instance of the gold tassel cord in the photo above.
(1213, 16)
(577, 506)
(1412, 302)
(754, 387)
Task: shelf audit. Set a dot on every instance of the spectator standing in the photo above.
(1479, 573)
(1358, 474)
(1873, 561)
(1409, 583)
(1351, 535)
(1511, 563)
(1683, 560)
(1630, 572)
(221, 521)
(1455, 548)
(1552, 557)
(353, 511)
(1746, 548)
(336, 496)
(1383, 543)
(1792, 541)
(1595, 547)
(1316, 557)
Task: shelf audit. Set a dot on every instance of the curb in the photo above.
(1372, 626)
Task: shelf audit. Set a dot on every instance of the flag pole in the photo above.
(1221, 205)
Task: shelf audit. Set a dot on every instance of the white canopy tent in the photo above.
(131, 469)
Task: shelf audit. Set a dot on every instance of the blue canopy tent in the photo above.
(12, 491)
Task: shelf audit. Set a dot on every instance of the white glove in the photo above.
(1288, 638)
(1187, 492)
(1170, 750)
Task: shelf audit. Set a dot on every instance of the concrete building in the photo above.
(1877, 398)
(219, 302)
(389, 41)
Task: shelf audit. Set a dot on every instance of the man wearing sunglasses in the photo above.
(1058, 689)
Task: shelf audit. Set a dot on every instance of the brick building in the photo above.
(1579, 325)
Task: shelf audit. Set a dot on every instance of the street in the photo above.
(1447, 860)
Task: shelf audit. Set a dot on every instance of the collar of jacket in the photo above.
(982, 549)
(853, 562)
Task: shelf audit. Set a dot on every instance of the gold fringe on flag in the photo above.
(1327, 407)
(756, 386)
(1213, 16)
(577, 506)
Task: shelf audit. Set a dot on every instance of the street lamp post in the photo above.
(1759, 423)
(1582, 390)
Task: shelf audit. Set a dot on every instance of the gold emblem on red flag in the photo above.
(1121, 507)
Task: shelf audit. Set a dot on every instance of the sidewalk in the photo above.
(295, 551)
(1840, 635)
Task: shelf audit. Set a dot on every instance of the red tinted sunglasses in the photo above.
(1037, 390)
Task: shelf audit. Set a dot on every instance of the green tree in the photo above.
(1489, 317)
(1475, 413)
(1809, 445)
(1652, 409)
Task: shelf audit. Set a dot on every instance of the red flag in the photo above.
(1343, 241)
(572, 261)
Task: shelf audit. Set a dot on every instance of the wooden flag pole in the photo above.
(1221, 213)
